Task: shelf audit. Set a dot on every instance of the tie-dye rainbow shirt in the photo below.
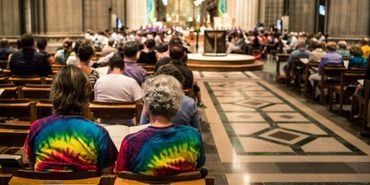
(161, 151)
(69, 143)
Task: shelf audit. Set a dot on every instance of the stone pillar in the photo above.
(245, 12)
(136, 13)
(27, 16)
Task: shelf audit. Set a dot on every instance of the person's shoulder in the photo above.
(187, 101)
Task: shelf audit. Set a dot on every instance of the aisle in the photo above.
(255, 132)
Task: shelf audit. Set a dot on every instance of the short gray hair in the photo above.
(163, 94)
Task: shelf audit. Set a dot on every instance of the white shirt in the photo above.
(117, 88)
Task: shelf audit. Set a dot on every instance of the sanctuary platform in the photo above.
(230, 62)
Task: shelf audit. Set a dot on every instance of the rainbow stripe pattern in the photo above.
(161, 151)
(69, 143)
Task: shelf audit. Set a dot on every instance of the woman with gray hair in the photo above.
(163, 148)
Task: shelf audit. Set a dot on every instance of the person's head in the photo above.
(67, 44)
(111, 42)
(301, 45)
(27, 40)
(77, 46)
(175, 41)
(331, 46)
(161, 48)
(150, 44)
(85, 52)
(315, 45)
(342, 44)
(170, 69)
(131, 49)
(356, 51)
(41, 44)
(69, 91)
(163, 94)
(365, 41)
(177, 52)
(4, 43)
(116, 62)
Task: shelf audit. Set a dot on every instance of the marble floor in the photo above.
(256, 133)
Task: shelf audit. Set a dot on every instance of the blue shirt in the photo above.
(297, 54)
(356, 61)
(188, 114)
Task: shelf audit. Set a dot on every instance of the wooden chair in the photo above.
(310, 66)
(37, 178)
(10, 91)
(118, 110)
(35, 91)
(330, 77)
(3, 64)
(347, 78)
(44, 108)
(3, 80)
(23, 80)
(363, 101)
(279, 59)
(18, 108)
(299, 72)
(190, 178)
(7, 72)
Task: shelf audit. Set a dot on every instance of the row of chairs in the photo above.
(123, 178)
(334, 79)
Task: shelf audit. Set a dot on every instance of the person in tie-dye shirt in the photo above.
(65, 141)
(162, 148)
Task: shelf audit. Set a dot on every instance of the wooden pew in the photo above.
(35, 91)
(330, 77)
(121, 110)
(10, 91)
(279, 59)
(44, 108)
(23, 80)
(18, 108)
(32, 178)
(347, 78)
(189, 178)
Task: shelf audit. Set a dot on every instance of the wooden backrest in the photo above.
(32, 178)
(104, 110)
(44, 108)
(23, 80)
(10, 91)
(190, 178)
(282, 57)
(352, 75)
(35, 91)
(332, 74)
(3, 64)
(18, 108)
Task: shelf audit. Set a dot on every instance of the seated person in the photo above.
(188, 114)
(27, 61)
(5, 51)
(162, 148)
(148, 55)
(301, 52)
(85, 53)
(132, 69)
(116, 87)
(343, 50)
(162, 51)
(366, 47)
(62, 54)
(108, 49)
(73, 58)
(317, 53)
(41, 47)
(65, 141)
(357, 59)
(331, 58)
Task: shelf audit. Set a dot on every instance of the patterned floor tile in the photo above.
(284, 136)
(236, 108)
(278, 108)
(325, 145)
(244, 117)
(258, 145)
(287, 117)
(306, 127)
(248, 129)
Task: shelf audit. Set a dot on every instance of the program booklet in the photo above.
(119, 132)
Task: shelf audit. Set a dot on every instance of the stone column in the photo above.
(136, 13)
(27, 16)
(245, 12)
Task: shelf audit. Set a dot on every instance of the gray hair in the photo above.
(163, 94)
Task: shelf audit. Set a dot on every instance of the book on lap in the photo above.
(119, 132)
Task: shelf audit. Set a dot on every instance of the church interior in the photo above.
(185, 92)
